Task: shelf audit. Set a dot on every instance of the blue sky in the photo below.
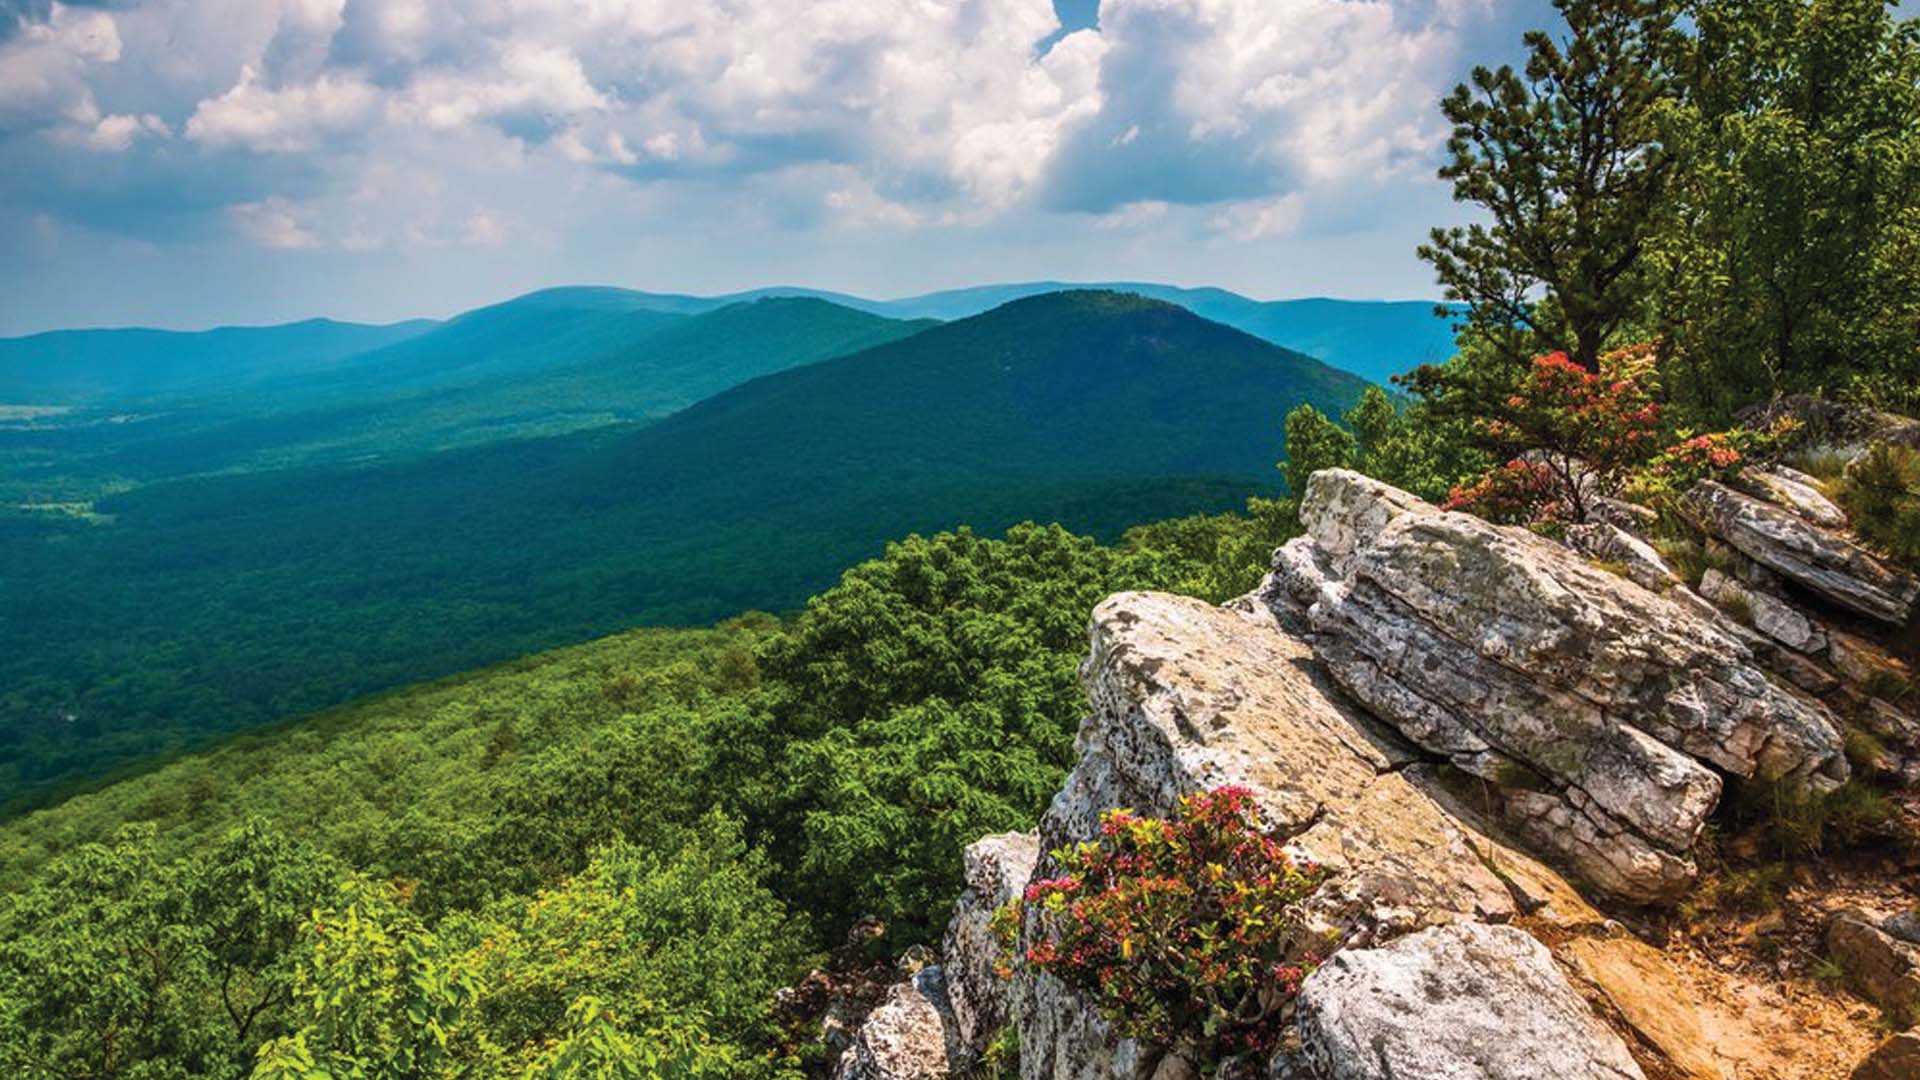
(193, 162)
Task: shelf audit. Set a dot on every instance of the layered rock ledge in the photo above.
(1604, 710)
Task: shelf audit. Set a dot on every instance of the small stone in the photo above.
(1885, 968)
(1896, 1059)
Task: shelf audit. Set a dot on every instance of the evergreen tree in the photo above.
(1564, 158)
(1791, 261)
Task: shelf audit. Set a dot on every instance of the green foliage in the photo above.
(117, 963)
(928, 699)
(624, 970)
(1314, 443)
(1373, 422)
(1881, 493)
(1788, 260)
(1564, 158)
(1217, 557)
(1187, 931)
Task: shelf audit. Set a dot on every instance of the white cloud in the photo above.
(285, 119)
(1258, 219)
(273, 223)
(483, 229)
(1133, 215)
(528, 79)
(116, 133)
(45, 67)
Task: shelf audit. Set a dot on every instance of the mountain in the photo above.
(1373, 339)
(72, 367)
(220, 602)
(544, 364)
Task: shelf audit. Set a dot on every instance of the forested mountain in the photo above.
(216, 603)
(75, 367)
(545, 364)
(1373, 339)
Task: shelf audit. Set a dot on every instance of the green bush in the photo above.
(1881, 492)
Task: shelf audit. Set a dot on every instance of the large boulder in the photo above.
(1819, 560)
(1598, 704)
(911, 1036)
(1460, 1002)
(997, 869)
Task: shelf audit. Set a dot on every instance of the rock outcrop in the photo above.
(997, 869)
(1896, 1059)
(1820, 560)
(1601, 707)
(911, 1036)
(1468, 1000)
(1441, 711)
(1884, 967)
(1187, 697)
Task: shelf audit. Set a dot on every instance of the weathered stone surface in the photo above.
(1864, 662)
(997, 869)
(1813, 558)
(1772, 616)
(911, 1036)
(1610, 543)
(1648, 995)
(1884, 968)
(1187, 696)
(1459, 1002)
(1896, 1059)
(1524, 664)
(1344, 511)
(1795, 491)
(1631, 518)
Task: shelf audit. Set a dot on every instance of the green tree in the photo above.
(1373, 421)
(1313, 443)
(117, 963)
(1564, 158)
(927, 699)
(1791, 260)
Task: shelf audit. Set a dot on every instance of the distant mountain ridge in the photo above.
(75, 366)
(1373, 339)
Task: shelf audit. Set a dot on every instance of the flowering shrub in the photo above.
(1516, 493)
(1186, 931)
(1715, 456)
(1587, 429)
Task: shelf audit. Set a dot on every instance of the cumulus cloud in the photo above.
(45, 68)
(1219, 101)
(285, 119)
(273, 223)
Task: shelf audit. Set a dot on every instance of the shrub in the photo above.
(1516, 493)
(1187, 931)
(1881, 492)
(1591, 428)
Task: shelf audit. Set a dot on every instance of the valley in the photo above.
(566, 466)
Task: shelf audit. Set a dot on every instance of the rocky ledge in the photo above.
(1468, 725)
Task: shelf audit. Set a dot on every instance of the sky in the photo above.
(187, 163)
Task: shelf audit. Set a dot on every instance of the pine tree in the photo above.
(1564, 159)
